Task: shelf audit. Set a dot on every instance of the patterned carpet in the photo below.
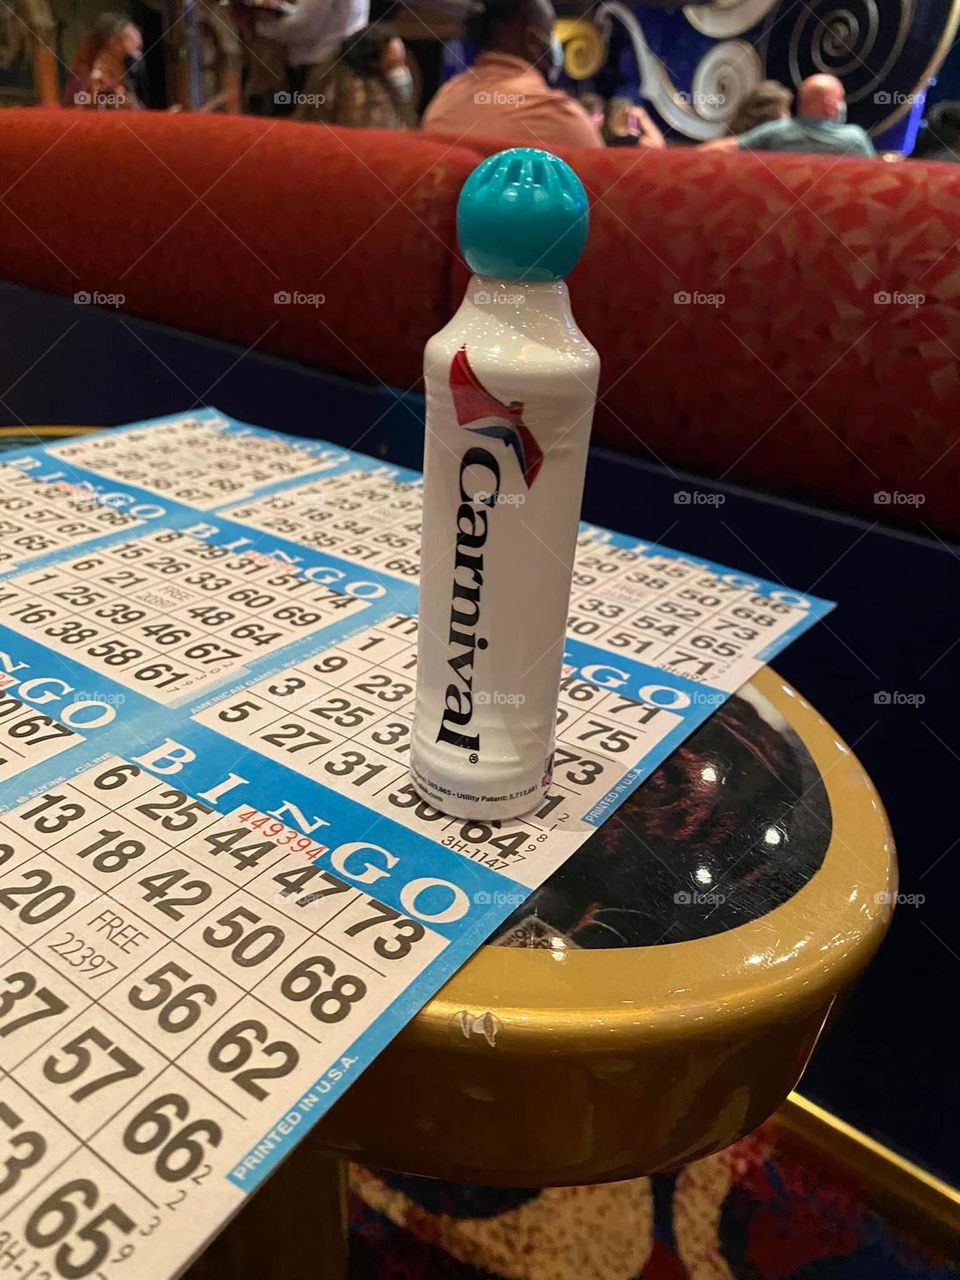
(748, 1213)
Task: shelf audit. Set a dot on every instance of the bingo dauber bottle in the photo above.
(511, 384)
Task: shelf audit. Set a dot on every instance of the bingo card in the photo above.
(220, 896)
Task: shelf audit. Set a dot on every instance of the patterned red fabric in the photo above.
(200, 220)
(787, 373)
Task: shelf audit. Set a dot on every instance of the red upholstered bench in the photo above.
(791, 376)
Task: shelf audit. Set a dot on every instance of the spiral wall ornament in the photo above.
(721, 78)
(850, 39)
(884, 51)
(584, 48)
(656, 86)
(725, 18)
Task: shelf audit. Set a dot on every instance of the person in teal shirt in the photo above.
(819, 125)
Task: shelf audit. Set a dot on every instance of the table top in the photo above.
(699, 938)
(727, 902)
(730, 827)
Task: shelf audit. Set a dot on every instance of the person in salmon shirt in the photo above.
(506, 93)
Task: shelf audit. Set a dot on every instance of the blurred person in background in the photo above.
(766, 101)
(627, 125)
(370, 86)
(593, 105)
(313, 36)
(939, 136)
(107, 61)
(507, 92)
(820, 125)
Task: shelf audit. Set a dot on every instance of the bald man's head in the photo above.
(820, 96)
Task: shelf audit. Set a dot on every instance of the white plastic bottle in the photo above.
(511, 384)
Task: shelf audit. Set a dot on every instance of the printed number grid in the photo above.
(165, 613)
(37, 517)
(674, 614)
(28, 737)
(361, 515)
(196, 461)
(344, 718)
(661, 610)
(169, 977)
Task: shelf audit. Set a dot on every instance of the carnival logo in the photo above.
(472, 402)
(479, 490)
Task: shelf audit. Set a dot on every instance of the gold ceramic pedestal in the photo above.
(555, 1065)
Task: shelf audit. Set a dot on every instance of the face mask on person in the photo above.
(556, 60)
(402, 80)
(841, 116)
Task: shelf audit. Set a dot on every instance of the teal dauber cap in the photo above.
(522, 215)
